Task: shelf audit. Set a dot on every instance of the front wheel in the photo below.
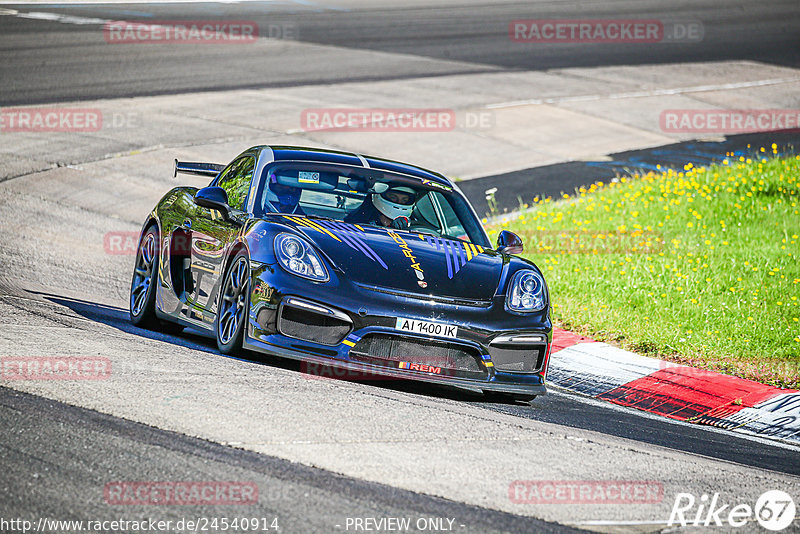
(232, 305)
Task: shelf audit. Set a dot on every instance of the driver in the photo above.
(390, 208)
(284, 198)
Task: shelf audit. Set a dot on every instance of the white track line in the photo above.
(57, 17)
(644, 94)
(110, 2)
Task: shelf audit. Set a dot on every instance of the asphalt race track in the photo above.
(457, 37)
(321, 452)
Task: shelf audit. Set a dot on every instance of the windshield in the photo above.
(367, 197)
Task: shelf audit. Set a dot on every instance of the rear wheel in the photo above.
(142, 306)
(232, 305)
(143, 285)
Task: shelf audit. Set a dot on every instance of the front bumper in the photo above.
(498, 382)
(372, 313)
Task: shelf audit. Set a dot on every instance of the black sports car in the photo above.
(346, 261)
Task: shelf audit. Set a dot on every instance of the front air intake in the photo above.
(418, 354)
(518, 354)
(311, 322)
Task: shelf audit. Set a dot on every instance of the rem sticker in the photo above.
(420, 274)
(437, 185)
(308, 177)
(456, 253)
(411, 366)
(353, 237)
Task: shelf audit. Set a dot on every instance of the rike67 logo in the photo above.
(774, 510)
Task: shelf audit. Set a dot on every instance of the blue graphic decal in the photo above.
(353, 238)
(454, 255)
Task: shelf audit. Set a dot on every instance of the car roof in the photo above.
(289, 153)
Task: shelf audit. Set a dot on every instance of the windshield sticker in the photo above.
(456, 253)
(308, 177)
(437, 185)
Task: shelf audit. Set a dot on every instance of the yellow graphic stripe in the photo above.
(312, 225)
(480, 248)
(469, 252)
(348, 343)
(488, 364)
(301, 222)
(289, 217)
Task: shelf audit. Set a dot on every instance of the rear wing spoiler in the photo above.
(202, 169)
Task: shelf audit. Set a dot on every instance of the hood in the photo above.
(403, 260)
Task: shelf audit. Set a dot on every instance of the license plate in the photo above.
(425, 327)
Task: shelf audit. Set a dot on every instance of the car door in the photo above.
(211, 234)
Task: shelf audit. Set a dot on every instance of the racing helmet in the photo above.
(282, 198)
(395, 202)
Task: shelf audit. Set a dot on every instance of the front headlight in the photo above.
(526, 292)
(297, 256)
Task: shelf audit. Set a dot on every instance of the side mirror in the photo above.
(509, 243)
(213, 198)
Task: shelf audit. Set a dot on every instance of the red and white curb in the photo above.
(676, 391)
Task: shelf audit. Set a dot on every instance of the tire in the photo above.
(232, 305)
(142, 298)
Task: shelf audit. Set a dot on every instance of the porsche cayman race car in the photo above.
(347, 261)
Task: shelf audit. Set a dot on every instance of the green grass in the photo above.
(699, 267)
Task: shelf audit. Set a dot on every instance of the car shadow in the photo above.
(117, 318)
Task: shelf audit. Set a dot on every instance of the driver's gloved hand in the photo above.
(401, 223)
